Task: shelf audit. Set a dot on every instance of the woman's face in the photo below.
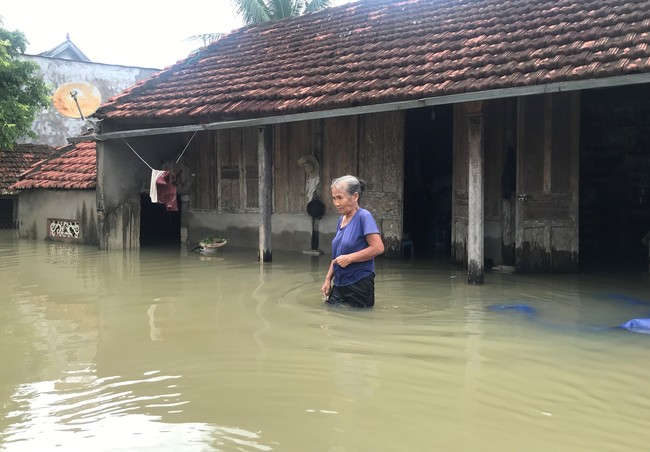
(343, 202)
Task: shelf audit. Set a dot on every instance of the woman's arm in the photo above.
(375, 248)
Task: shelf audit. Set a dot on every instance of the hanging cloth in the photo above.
(162, 188)
(153, 189)
(166, 191)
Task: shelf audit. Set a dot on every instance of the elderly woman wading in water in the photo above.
(351, 275)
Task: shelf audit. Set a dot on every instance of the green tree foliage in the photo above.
(257, 11)
(23, 93)
(206, 38)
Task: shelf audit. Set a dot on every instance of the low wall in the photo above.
(291, 232)
(36, 209)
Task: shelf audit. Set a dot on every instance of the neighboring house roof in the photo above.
(379, 51)
(67, 51)
(16, 161)
(71, 167)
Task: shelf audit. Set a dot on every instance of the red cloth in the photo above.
(166, 191)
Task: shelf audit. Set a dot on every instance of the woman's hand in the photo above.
(343, 260)
(327, 285)
(325, 289)
(375, 248)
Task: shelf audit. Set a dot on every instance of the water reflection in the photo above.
(164, 349)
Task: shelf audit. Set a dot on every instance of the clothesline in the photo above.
(151, 167)
(160, 189)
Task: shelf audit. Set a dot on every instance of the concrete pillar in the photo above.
(265, 167)
(99, 190)
(475, 226)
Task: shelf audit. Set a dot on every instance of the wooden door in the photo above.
(547, 183)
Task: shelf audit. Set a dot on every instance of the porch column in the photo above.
(265, 167)
(475, 233)
(99, 190)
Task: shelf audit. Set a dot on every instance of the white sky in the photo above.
(141, 33)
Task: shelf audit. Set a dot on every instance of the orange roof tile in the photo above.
(377, 51)
(67, 168)
(18, 160)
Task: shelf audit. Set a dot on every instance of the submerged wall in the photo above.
(68, 215)
(291, 232)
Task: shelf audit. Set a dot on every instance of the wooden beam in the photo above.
(474, 107)
(475, 225)
(265, 165)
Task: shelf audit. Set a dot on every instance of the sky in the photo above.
(140, 33)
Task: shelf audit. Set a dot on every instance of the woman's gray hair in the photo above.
(349, 184)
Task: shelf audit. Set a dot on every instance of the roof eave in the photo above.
(631, 79)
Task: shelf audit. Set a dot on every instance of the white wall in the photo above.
(51, 127)
(36, 206)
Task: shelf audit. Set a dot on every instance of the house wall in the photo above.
(381, 165)
(50, 126)
(224, 191)
(35, 207)
(291, 142)
(223, 188)
(122, 175)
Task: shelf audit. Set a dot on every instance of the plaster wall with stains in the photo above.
(50, 126)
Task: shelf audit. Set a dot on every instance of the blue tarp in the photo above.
(641, 325)
(637, 326)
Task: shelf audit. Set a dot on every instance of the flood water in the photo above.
(168, 350)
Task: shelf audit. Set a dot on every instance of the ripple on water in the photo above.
(162, 350)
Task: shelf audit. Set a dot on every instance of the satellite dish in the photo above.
(76, 99)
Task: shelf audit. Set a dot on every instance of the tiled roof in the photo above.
(377, 51)
(18, 160)
(74, 168)
(67, 51)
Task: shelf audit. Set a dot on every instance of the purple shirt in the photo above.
(350, 239)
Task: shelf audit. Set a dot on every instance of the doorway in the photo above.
(427, 179)
(615, 177)
(7, 213)
(158, 226)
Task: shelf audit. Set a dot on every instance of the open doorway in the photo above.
(7, 213)
(427, 179)
(158, 226)
(615, 177)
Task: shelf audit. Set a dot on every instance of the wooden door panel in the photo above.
(547, 173)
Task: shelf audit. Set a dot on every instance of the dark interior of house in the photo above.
(7, 214)
(427, 180)
(615, 177)
(157, 225)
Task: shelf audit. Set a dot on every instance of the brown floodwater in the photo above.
(164, 349)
